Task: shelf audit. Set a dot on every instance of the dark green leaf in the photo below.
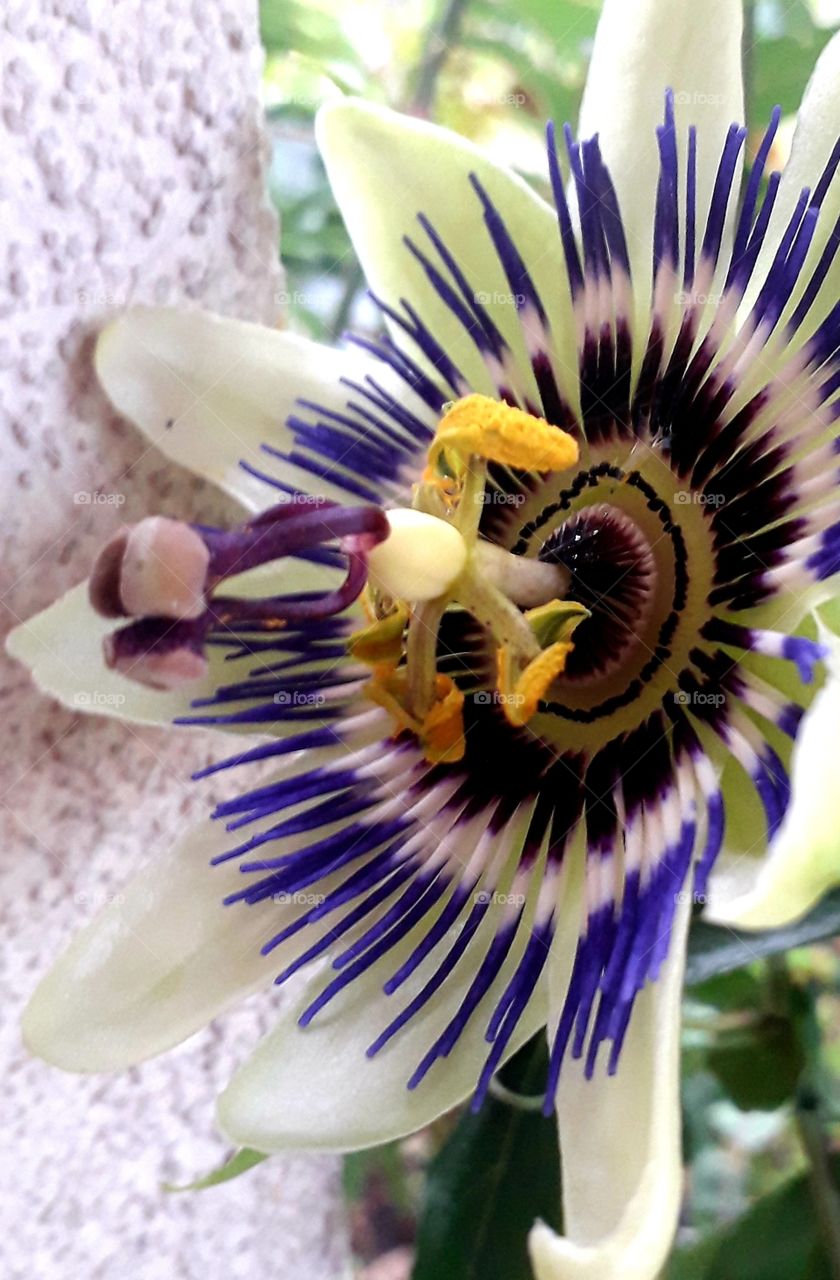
(778, 1239)
(759, 1071)
(385, 1163)
(498, 1171)
(782, 70)
(713, 950)
(238, 1163)
(729, 992)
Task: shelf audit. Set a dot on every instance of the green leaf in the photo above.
(497, 1173)
(240, 1162)
(713, 950)
(305, 28)
(570, 24)
(693, 1263)
(782, 70)
(759, 1071)
(385, 1162)
(729, 992)
(777, 1239)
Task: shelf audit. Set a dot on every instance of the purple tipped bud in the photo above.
(158, 653)
(154, 569)
(104, 585)
(164, 570)
(164, 575)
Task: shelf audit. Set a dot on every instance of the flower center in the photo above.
(434, 561)
(613, 573)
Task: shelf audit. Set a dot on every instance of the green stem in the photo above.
(499, 615)
(442, 35)
(823, 1187)
(439, 39)
(421, 655)
(798, 1004)
(350, 292)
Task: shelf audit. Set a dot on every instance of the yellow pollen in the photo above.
(521, 703)
(480, 426)
(381, 643)
(521, 694)
(441, 730)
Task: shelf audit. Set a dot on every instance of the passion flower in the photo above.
(592, 683)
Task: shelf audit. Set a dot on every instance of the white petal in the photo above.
(620, 1143)
(804, 860)
(158, 963)
(209, 391)
(62, 646)
(385, 168)
(817, 131)
(316, 1089)
(642, 48)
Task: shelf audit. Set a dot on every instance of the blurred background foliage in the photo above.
(494, 70)
(762, 1040)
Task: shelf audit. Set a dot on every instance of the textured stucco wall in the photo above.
(131, 169)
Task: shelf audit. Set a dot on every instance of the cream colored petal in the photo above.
(620, 1144)
(209, 391)
(316, 1089)
(642, 48)
(804, 860)
(817, 132)
(62, 646)
(159, 962)
(385, 168)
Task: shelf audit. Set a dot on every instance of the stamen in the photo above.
(521, 695)
(497, 432)
(164, 574)
(440, 730)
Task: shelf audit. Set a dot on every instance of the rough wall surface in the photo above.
(131, 169)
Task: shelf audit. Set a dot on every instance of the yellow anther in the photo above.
(441, 730)
(553, 624)
(442, 734)
(388, 688)
(520, 705)
(382, 642)
(486, 428)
